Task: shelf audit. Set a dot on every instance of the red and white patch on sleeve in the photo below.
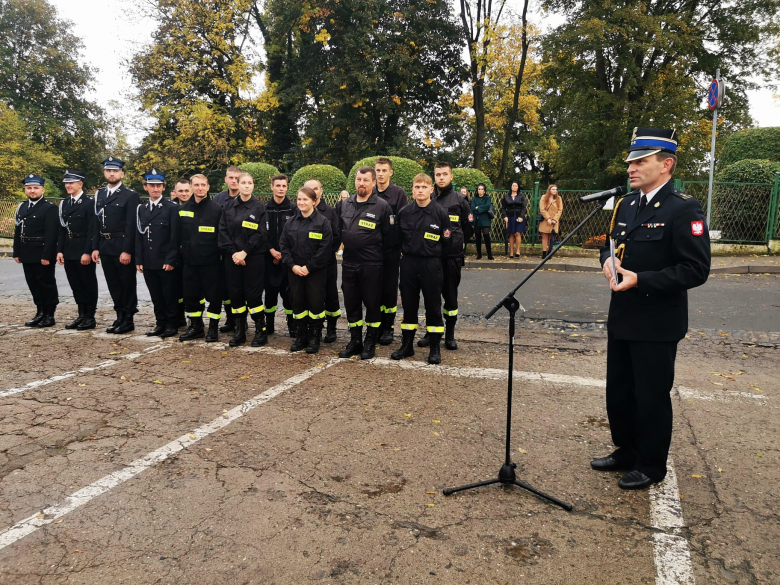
(697, 228)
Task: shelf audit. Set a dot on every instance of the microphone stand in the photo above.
(506, 474)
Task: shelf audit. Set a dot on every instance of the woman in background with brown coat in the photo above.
(551, 208)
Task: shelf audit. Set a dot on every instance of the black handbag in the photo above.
(491, 212)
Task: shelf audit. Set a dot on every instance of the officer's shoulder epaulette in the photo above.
(680, 194)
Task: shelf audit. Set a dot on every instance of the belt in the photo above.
(72, 235)
(33, 239)
(113, 236)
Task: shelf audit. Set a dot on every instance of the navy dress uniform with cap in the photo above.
(78, 226)
(115, 208)
(662, 237)
(157, 244)
(35, 239)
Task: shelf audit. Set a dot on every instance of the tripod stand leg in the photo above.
(470, 486)
(556, 501)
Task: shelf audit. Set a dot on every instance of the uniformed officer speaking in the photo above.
(35, 248)
(114, 243)
(157, 253)
(663, 250)
(74, 249)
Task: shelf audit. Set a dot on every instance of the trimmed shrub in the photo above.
(261, 172)
(750, 143)
(749, 171)
(470, 178)
(404, 170)
(332, 178)
(739, 211)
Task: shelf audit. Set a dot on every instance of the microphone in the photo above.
(604, 195)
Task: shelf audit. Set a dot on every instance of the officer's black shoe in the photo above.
(315, 335)
(301, 340)
(369, 344)
(434, 353)
(230, 322)
(158, 330)
(386, 338)
(35, 320)
(48, 318)
(330, 332)
(169, 331)
(610, 463)
(292, 328)
(126, 326)
(355, 345)
(449, 334)
(89, 318)
(120, 316)
(270, 323)
(78, 320)
(213, 333)
(425, 341)
(195, 331)
(239, 336)
(635, 480)
(407, 345)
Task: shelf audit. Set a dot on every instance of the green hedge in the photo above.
(751, 143)
(262, 173)
(470, 178)
(749, 171)
(404, 170)
(332, 178)
(739, 211)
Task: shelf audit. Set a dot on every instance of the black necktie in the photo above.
(642, 204)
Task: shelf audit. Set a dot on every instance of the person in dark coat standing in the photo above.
(481, 208)
(663, 249)
(74, 249)
(157, 253)
(181, 193)
(35, 248)
(332, 306)
(280, 210)
(222, 199)
(514, 209)
(114, 243)
(306, 243)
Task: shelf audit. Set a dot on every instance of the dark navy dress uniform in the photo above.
(157, 243)
(425, 237)
(116, 217)
(77, 232)
(202, 265)
(667, 245)
(276, 283)
(307, 241)
(368, 236)
(332, 305)
(244, 227)
(35, 239)
(457, 207)
(397, 200)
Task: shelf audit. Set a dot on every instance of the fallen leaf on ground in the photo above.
(523, 451)
(435, 434)
(697, 476)
(431, 493)
(193, 436)
(407, 415)
(82, 385)
(436, 422)
(157, 382)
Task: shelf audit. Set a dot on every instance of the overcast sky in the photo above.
(111, 34)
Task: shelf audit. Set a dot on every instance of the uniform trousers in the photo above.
(180, 284)
(390, 272)
(201, 286)
(245, 283)
(362, 285)
(640, 375)
(121, 282)
(224, 293)
(308, 295)
(424, 275)
(83, 282)
(163, 287)
(332, 307)
(451, 281)
(42, 283)
(276, 285)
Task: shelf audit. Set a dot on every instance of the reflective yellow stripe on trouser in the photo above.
(356, 324)
(270, 309)
(254, 310)
(317, 315)
(388, 310)
(408, 326)
(213, 315)
(191, 315)
(239, 310)
(301, 315)
(453, 313)
(333, 313)
(433, 329)
(375, 325)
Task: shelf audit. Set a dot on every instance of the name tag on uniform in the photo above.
(187, 214)
(206, 228)
(455, 218)
(367, 224)
(249, 224)
(315, 235)
(430, 236)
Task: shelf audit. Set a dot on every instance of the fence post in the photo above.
(678, 184)
(774, 209)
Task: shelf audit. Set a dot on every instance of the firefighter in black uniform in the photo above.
(396, 199)
(202, 268)
(243, 239)
(157, 253)
(306, 244)
(222, 199)
(280, 210)
(461, 220)
(663, 249)
(423, 229)
(74, 249)
(182, 192)
(35, 248)
(332, 307)
(367, 235)
(114, 243)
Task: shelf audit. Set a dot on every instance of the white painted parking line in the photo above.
(672, 557)
(85, 370)
(83, 496)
